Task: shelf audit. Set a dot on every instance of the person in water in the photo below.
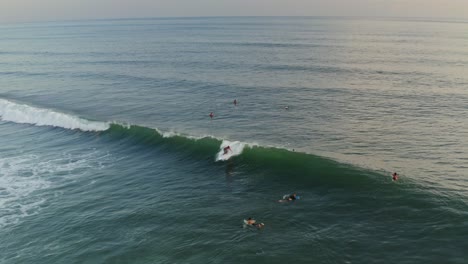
(227, 149)
(395, 176)
(289, 198)
(211, 115)
(252, 222)
(235, 102)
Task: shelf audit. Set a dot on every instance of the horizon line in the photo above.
(397, 18)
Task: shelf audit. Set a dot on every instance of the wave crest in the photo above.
(25, 114)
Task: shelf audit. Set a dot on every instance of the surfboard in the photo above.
(286, 196)
(246, 225)
(222, 156)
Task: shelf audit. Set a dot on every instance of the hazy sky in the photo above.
(40, 10)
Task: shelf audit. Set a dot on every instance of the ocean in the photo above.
(108, 153)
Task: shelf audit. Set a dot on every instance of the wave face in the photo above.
(25, 114)
(278, 164)
(276, 161)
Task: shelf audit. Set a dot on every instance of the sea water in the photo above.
(108, 155)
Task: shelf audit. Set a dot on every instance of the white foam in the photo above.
(14, 188)
(168, 134)
(24, 181)
(202, 137)
(21, 113)
(172, 133)
(236, 149)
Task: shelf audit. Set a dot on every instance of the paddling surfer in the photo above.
(252, 222)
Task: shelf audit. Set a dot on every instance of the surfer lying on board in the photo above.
(288, 198)
(226, 149)
(252, 222)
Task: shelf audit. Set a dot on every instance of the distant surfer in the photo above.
(395, 176)
(227, 149)
(235, 102)
(292, 197)
(211, 115)
(289, 197)
(252, 222)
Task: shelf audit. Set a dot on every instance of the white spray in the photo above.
(25, 114)
(236, 148)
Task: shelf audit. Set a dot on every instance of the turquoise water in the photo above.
(108, 155)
